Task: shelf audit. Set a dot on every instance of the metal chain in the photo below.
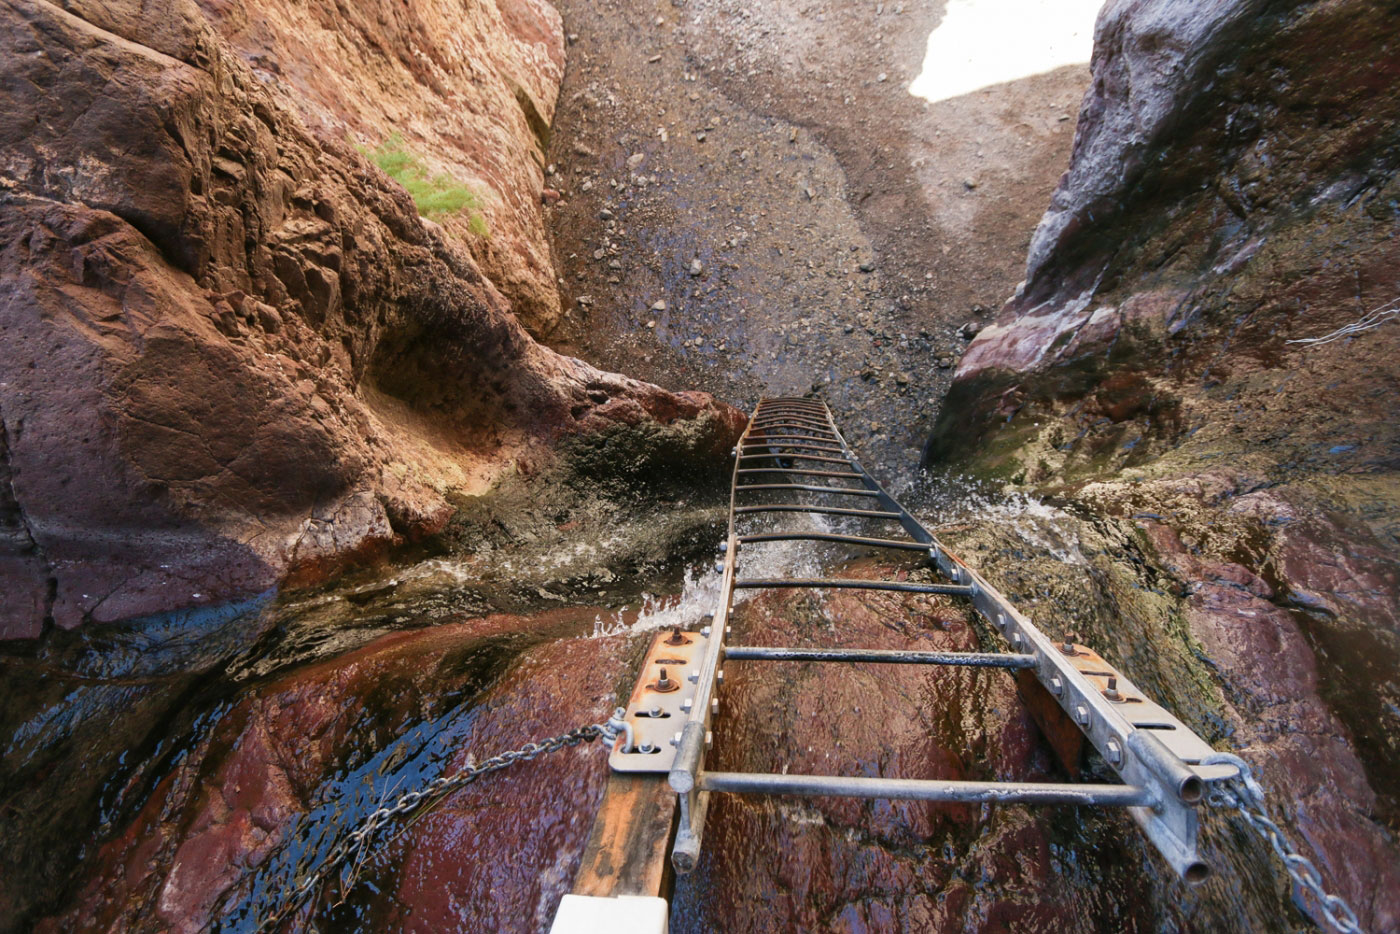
(356, 842)
(1244, 793)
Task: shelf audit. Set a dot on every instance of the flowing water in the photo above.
(128, 748)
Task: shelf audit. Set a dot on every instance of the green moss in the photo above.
(434, 195)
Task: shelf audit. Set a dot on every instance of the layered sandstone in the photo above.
(235, 356)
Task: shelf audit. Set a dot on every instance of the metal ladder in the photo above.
(792, 445)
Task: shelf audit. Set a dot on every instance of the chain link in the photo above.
(1244, 793)
(354, 846)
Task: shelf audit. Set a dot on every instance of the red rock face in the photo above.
(850, 865)
(301, 751)
(234, 354)
(1152, 367)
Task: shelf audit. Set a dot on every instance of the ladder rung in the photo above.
(778, 423)
(786, 445)
(837, 583)
(797, 421)
(805, 488)
(795, 457)
(765, 438)
(788, 428)
(833, 537)
(927, 790)
(824, 510)
(761, 438)
(892, 656)
(805, 473)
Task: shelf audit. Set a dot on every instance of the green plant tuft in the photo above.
(433, 195)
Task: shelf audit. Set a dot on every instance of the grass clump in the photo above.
(434, 195)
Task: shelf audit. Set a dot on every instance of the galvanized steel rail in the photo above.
(1159, 759)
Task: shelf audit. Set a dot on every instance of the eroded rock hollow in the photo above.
(235, 355)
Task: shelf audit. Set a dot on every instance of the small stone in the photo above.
(809, 193)
(636, 159)
(700, 137)
(945, 363)
(867, 267)
(969, 330)
(882, 77)
(599, 254)
(696, 267)
(572, 37)
(659, 306)
(605, 214)
(614, 264)
(969, 184)
(550, 196)
(587, 185)
(902, 379)
(585, 300)
(792, 135)
(654, 59)
(651, 324)
(551, 169)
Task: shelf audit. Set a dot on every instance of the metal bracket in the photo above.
(1144, 743)
(658, 708)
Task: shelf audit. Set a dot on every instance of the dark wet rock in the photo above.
(842, 864)
(235, 355)
(230, 820)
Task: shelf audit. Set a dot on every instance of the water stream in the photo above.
(253, 740)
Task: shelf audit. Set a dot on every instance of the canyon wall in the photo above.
(1233, 191)
(235, 355)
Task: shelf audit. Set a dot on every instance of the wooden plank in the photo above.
(629, 848)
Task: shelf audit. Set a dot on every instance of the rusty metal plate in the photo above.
(660, 703)
(1144, 714)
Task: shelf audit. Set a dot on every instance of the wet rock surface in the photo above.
(235, 355)
(269, 776)
(843, 864)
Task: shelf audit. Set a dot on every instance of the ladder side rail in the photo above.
(1137, 755)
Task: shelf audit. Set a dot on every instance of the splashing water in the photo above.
(701, 592)
(945, 500)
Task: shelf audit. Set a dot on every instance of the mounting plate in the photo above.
(656, 713)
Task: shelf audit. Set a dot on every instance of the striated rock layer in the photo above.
(1233, 190)
(235, 356)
